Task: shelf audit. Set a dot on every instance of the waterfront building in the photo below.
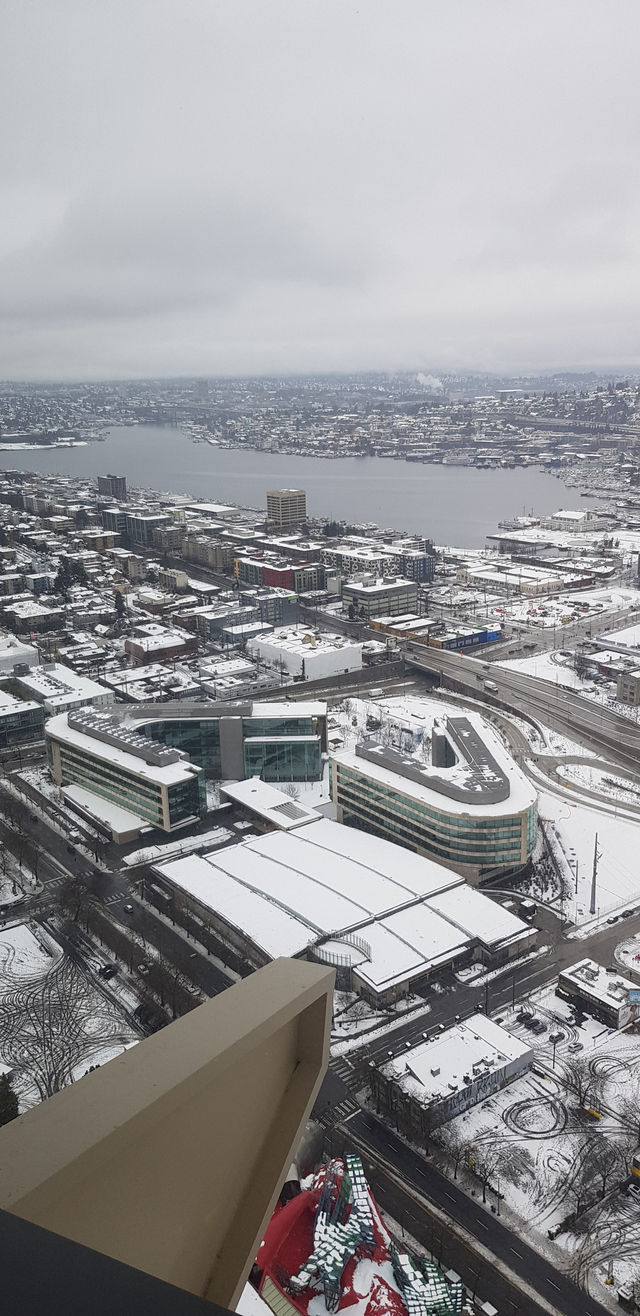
(113, 486)
(286, 507)
(471, 809)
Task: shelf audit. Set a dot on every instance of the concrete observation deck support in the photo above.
(171, 1157)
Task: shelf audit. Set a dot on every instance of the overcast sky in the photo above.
(240, 186)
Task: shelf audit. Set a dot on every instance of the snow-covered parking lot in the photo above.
(57, 1023)
(536, 1145)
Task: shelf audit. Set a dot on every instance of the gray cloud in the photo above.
(246, 187)
(150, 253)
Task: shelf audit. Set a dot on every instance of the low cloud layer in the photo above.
(239, 187)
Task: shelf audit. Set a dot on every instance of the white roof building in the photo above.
(389, 914)
(14, 651)
(322, 655)
(59, 689)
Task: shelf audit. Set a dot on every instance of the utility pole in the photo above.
(594, 879)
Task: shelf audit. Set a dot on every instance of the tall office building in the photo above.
(113, 486)
(286, 507)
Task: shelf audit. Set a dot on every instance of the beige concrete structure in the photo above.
(286, 507)
(628, 688)
(171, 1157)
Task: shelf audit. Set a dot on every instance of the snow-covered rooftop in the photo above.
(269, 803)
(454, 1059)
(288, 890)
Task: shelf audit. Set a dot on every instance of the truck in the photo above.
(491, 685)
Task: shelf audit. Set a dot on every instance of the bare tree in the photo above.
(75, 897)
(485, 1162)
(607, 1162)
(456, 1146)
(579, 1079)
(629, 1113)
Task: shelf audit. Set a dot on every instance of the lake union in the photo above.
(450, 504)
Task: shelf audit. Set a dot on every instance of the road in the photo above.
(562, 709)
(368, 1135)
(113, 889)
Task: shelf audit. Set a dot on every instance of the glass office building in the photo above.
(158, 784)
(476, 840)
(273, 741)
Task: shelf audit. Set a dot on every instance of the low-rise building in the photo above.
(14, 651)
(311, 888)
(386, 596)
(152, 643)
(437, 1079)
(628, 687)
(308, 654)
(59, 689)
(21, 721)
(599, 992)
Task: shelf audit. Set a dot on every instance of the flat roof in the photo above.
(269, 803)
(167, 775)
(384, 766)
(455, 1059)
(288, 890)
(598, 982)
(55, 681)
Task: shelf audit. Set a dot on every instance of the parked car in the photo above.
(108, 970)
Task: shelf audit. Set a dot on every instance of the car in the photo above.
(71, 849)
(627, 913)
(128, 909)
(573, 1047)
(108, 970)
(144, 967)
(74, 835)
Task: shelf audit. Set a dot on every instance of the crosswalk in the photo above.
(338, 1114)
(344, 1070)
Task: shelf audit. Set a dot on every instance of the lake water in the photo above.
(450, 504)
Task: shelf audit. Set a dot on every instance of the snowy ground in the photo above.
(572, 606)
(572, 830)
(558, 667)
(58, 1022)
(628, 956)
(540, 1140)
(600, 780)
